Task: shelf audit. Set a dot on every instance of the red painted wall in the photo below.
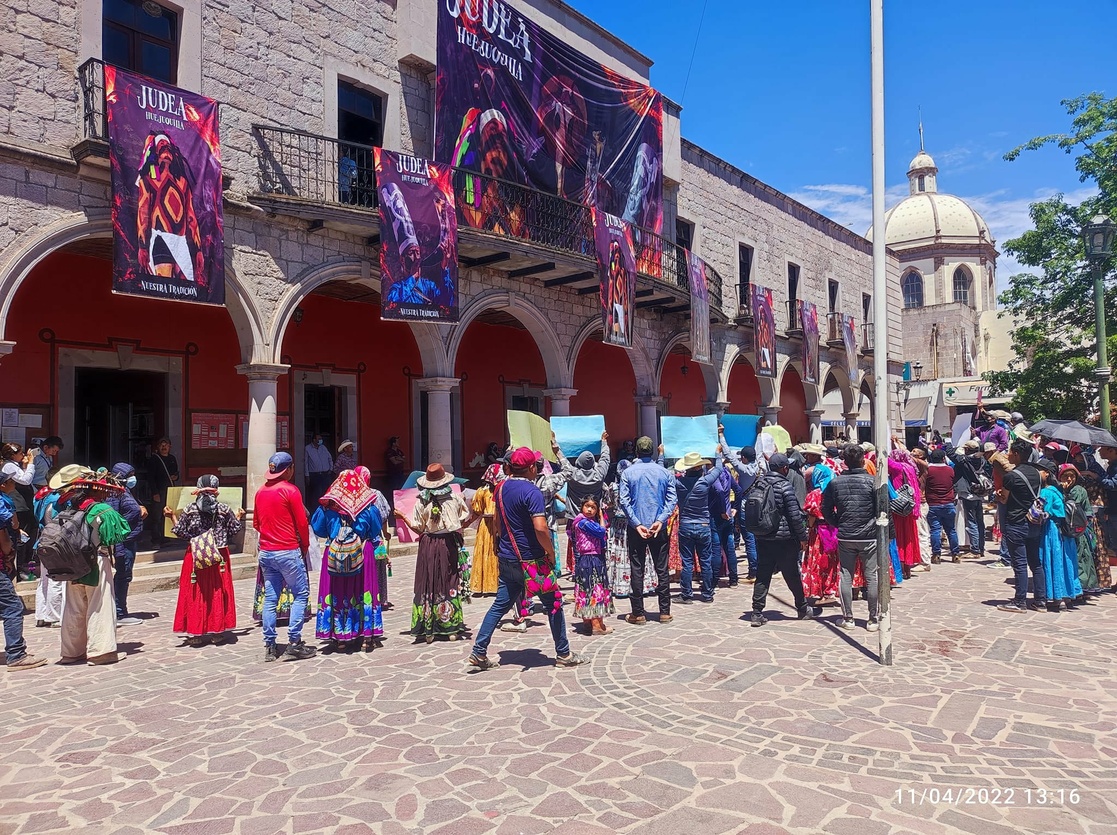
(72, 295)
(606, 384)
(743, 389)
(793, 415)
(486, 353)
(343, 334)
(683, 394)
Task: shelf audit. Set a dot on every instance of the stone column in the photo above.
(560, 400)
(851, 425)
(439, 420)
(815, 418)
(262, 387)
(715, 407)
(771, 414)
(649, 418)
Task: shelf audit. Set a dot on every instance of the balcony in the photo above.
(834, 330)
(330, 183)
(93, 147)
(744, 306)
(867, 338)
(794, 320)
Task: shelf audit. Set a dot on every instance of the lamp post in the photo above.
(1099, 235)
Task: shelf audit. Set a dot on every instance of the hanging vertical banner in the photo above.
(165, 155)
(699, 308)
(418, 239)
(764, 329)
(516, 103)
(808, 315)
(849, 339)
(616, 269)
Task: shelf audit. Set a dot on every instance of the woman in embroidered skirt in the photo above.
(821, 569)
(484, 577)
(348, 588)
(439, 517)
(902, 471)
(593, 601)
(1101, 550)
(1070, 480)
(1057, 554)
(206, 603)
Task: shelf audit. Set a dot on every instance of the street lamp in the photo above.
(1098, 236)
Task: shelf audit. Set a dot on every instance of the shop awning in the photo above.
(917, 411)
(965, 393)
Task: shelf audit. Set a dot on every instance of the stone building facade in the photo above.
(300, 347)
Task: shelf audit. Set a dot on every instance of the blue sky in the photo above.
(782, 91)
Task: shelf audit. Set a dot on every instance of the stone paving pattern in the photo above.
(704, 725)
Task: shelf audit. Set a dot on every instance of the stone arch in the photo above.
(427, 337)
(812, 392)
(769, 394)
(841, 377)
(709, 372)
(559, 372)
(642, 367)
(32, 247)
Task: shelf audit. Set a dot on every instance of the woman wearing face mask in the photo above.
(206, 607)
(124, 557)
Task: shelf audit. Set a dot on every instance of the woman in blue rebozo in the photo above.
(348, 589)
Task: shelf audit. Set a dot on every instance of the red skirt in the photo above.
(907, 539)
(206, 606)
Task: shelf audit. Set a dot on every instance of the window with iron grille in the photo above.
(142, 36)
(744, 276)
(360, 126)
(684, 237)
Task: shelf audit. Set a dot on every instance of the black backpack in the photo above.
(1075, 522)
(66, 548)
(762, 513)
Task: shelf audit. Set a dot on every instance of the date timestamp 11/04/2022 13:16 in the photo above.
(987, 797)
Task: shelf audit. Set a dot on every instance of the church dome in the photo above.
(928, 217)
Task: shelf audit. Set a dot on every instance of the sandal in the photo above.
(571, 660)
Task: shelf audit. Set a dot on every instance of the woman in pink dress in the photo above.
(901, 471)
(821, 569)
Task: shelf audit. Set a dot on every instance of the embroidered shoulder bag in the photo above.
(540, 576)
(345, 553)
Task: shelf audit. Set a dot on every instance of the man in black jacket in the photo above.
(779, 549)
(849, 504)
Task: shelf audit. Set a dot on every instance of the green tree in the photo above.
(1053, 312)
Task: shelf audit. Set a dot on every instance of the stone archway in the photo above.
(769, 394)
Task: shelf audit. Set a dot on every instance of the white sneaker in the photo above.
(873, 625)
(512, 626)
(128, 621)
(846, 623)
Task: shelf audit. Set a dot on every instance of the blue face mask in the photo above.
(130, 482)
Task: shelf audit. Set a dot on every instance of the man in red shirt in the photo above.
(941, 511)
(280, 519)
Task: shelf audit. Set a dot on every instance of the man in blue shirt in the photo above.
(522, 536)
(11, 606)
(647, 496)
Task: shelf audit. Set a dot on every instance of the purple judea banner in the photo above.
(616, 269)
(515, 103)
(165, 155)
(764, 328)
(849, 339)
(808, 315)
(418, 239)
(699, 309)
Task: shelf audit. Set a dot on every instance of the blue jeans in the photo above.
(122, 575)
(695, 541)
(943, 516)
(723, 539)
(11, 612)
(1022, 540)
(284, 568)
(750, 551)
(975, 524)
(508, 591)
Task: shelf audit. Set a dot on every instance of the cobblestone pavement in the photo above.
(988, 723)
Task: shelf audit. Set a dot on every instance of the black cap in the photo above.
(778, 461)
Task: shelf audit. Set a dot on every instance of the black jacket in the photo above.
(792, 524)
(849, 504)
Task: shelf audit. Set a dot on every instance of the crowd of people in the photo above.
(631, 528)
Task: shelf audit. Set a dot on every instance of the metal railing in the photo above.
(91, 81)
(868, 336)
(834, 329)
(794, 320)
(744, 301)
(315, 168)
(320, 169)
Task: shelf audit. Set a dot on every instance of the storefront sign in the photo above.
(168, 238)
(699, 308)
(209, 430)
(515, 103)
(808, 316)
(418, 239)
(764, 328)
(616, 269)
(849, 339)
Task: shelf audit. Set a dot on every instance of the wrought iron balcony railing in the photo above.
(868, 337)
(322, 170)
(834, 330)
(794, 320)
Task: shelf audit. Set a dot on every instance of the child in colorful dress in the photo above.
(593, 600)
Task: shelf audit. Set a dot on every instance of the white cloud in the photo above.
(1006, 215)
